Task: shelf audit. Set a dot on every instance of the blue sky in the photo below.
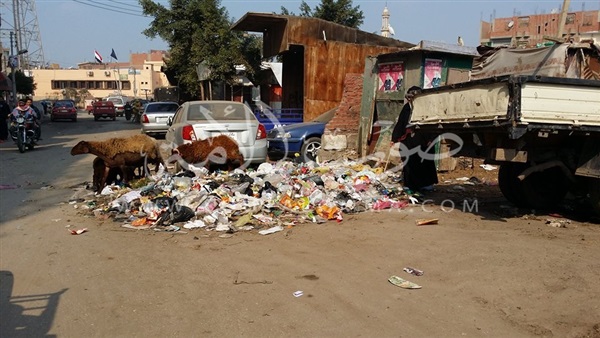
(72, 29)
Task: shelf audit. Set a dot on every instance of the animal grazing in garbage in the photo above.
(125, 154)
(218, 150)
(114, 175)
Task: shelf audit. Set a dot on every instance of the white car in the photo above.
(119, 103)
(198, 120)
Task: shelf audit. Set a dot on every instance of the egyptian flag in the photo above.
(97, 56)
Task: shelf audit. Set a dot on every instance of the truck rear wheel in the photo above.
(545, 188)
(510, 185)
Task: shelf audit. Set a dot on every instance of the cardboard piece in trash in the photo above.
(427, 221)
(403, 283)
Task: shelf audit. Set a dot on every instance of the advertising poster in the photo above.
(391, 77)
(433, 73)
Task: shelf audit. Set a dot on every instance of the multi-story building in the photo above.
(530, 30)
(136, 78)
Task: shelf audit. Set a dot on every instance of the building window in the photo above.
(587, 19)
(126, 85)
(570, 18)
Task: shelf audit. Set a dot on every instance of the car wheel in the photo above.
(96, 118)
(74, 119)
(114, 118)
(310, 149)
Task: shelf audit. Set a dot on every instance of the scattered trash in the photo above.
(557, 223)
(78, 231)
(427, 221)
(47, 187)
(403, 283)
(298, 293)
(269, 199)
(488, 167)
(271, 230)
(413, 271)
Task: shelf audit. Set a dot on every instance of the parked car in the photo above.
(300, 138)
(104, 109)
(63, 109)
(197, 120)
(155, 116)
(119, 102)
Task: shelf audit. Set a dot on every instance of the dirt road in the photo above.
(490, 270)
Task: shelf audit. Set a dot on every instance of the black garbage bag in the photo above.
(185, 173)
(179, 213)
(267, 188)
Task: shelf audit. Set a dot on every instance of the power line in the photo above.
(107, 8)
(126, 4)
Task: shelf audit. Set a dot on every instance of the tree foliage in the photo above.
(340, 12)
(24, 84)
(197, 31)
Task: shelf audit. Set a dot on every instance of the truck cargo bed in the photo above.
(512, 100)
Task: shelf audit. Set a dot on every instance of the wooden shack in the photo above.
(316, 56)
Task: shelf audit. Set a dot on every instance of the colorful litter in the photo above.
(270, 198)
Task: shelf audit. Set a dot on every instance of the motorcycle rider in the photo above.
(38, 117)
(28, 113)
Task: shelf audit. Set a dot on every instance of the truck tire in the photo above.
(310, 149)
(510, 185)
(545, 189)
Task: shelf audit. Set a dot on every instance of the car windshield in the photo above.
(115, 100)
(161, 107)
(219, 111)
(61, 104)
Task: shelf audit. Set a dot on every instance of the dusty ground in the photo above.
(490, 271)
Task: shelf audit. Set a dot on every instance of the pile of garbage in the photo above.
(268, 199)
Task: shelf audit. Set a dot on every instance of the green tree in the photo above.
(340, 12)
(24, 83)
(197, 31)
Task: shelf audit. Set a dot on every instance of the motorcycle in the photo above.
(22, 131)
(128, 111)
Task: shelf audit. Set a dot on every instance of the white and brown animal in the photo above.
(220, 150)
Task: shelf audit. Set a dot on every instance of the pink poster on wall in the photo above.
(391, 77)
(432, 76)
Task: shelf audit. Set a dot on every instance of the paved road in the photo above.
(35, 186)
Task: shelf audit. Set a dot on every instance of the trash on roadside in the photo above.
(78, 231)
(269, 199)
(271, 230)
(413, 271)
(403, 283)
(488, 167)
(298, 293)
(427, 221)
(557, 223)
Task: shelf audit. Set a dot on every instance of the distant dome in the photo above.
(385, 11)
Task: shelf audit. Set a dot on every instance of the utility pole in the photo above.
(13, 62)
(562, 19)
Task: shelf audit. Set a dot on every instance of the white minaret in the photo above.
(385, 23)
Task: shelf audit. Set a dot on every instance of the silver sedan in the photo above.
(198, 120)
(155, 116)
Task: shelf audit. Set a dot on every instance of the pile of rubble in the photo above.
(267, 199)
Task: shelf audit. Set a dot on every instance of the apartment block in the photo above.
(529, 30)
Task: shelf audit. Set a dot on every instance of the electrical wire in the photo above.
(107, 8)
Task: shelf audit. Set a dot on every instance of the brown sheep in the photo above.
(219, 150)
(98, 179)
(123, 153)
